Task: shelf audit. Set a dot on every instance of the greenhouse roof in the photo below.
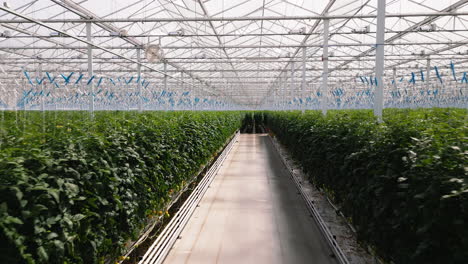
(242, 51)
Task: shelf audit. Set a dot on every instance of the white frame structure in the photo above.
(270, 54)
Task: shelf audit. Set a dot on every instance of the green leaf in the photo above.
(13, 220)
(78, 217)
(43, 256)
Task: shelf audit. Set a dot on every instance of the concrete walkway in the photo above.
(252, 213)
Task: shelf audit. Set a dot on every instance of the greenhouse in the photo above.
(215, 131)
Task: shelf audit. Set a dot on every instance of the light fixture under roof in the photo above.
(200, 56)
(362, 30)
(154, 53)
(179, 32)
(5, 34)
(121, 33)
(56, 34)
(428, 28)
(299, 31)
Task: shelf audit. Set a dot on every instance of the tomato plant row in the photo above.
(402, 183)
(74, 189)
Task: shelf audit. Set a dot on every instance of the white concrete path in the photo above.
(252, 213)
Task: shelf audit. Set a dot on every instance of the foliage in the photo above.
(403, 183)
(74, 189)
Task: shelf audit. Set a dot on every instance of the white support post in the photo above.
(182, 88)
(428, 72)
(192, 94)
(90, 67)
(379, 60)
(42, 87)
(324, 104)
(284, 81)
(165, 76)
(394, 77)
(140, 89)
(291, 91)
(280, 91)
(304, 54)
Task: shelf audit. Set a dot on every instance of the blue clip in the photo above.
(99, 82)
(131, 78)
(40, 81)
(438, 74)
(27, 76)
(90, 80)
(79, 79)
(413, 78)
(452, 66)
(464, 79)
(50, 78)
(67, 79)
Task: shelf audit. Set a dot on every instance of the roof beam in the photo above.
(248, 18)
(425, 21)
(241, 47)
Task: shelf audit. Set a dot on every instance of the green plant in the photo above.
(403, 183)
(74, 189)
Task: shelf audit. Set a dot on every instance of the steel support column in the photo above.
(326, 28)
(42, 87)
(293, 69)
(304, 58)
(90, 66)
(182, 81)
(165, 76)
(379, 60)
(140, 92)
(428, 72)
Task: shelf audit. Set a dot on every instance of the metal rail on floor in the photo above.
(341, 257)
(160, 248)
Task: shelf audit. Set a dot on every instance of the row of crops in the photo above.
(403, 183)
(74, 188)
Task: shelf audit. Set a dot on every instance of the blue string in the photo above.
(90, 80)
(452, 66)
(79, 79)
(438, 74)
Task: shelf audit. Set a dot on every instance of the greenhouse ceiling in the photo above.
(248, 54)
